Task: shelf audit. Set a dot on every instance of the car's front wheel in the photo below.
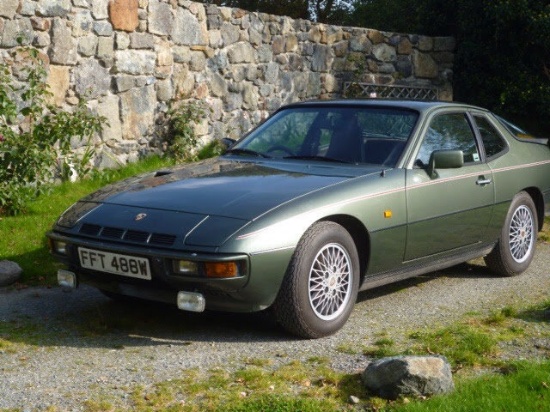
(516, 246)
(321, 283)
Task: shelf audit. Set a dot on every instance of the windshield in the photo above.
(351, 134)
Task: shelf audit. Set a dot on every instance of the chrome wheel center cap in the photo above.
(523, 234)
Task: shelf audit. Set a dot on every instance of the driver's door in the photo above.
(451, 209)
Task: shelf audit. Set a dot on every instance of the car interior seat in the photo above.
(347, 141)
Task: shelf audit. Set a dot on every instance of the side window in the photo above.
(449, 132)
(492, 140)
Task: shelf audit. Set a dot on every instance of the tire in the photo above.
(316, 300)
(516, 246)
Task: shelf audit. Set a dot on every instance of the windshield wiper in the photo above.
(238, 151)
(321, 158)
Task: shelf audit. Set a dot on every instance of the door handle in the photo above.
(481, 181)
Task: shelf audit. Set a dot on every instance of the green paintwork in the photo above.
(405, 219)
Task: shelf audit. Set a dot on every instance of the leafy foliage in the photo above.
(212, 149)
(35, 136)
(324, 11)
(295, 9)
(501, 64)
(181, 137)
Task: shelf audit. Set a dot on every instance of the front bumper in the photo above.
(223, 294)
(189, 301)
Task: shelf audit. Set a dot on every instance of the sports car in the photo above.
(322, 200)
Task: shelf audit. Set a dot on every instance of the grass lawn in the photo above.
(524, 387)
(22, 237)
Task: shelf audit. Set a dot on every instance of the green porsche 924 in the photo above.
(322, 200)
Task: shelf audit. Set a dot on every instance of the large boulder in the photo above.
(390, 378)
(10, 272)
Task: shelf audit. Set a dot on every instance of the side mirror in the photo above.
(445, 159)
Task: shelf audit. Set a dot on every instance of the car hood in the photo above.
(220, 187)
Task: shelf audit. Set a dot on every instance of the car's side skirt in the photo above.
(426, 265)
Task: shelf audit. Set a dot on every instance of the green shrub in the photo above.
(181, 137)
(212, 149)
(35, 136)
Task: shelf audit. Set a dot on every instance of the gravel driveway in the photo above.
(84, 344)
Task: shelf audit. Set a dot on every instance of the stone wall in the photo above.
(132, 58)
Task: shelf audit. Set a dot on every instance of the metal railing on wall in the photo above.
(385, 91)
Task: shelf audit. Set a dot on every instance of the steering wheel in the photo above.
(281, 148)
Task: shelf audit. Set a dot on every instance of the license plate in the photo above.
(124, 265)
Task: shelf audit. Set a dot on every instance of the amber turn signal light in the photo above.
(221, 269)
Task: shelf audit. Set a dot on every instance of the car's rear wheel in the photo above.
(321, 283)
(516, 246)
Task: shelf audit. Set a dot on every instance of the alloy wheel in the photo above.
(522, 234)
(330, 282)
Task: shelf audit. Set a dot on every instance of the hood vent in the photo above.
(136, 236)
(132, 236)
(112, 233)
(160, 239)
(91, 230)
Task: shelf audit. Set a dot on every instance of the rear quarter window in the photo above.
(493, 142)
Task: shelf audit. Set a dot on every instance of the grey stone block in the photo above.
(10, 272)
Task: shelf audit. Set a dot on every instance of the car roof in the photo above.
(418, 105)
